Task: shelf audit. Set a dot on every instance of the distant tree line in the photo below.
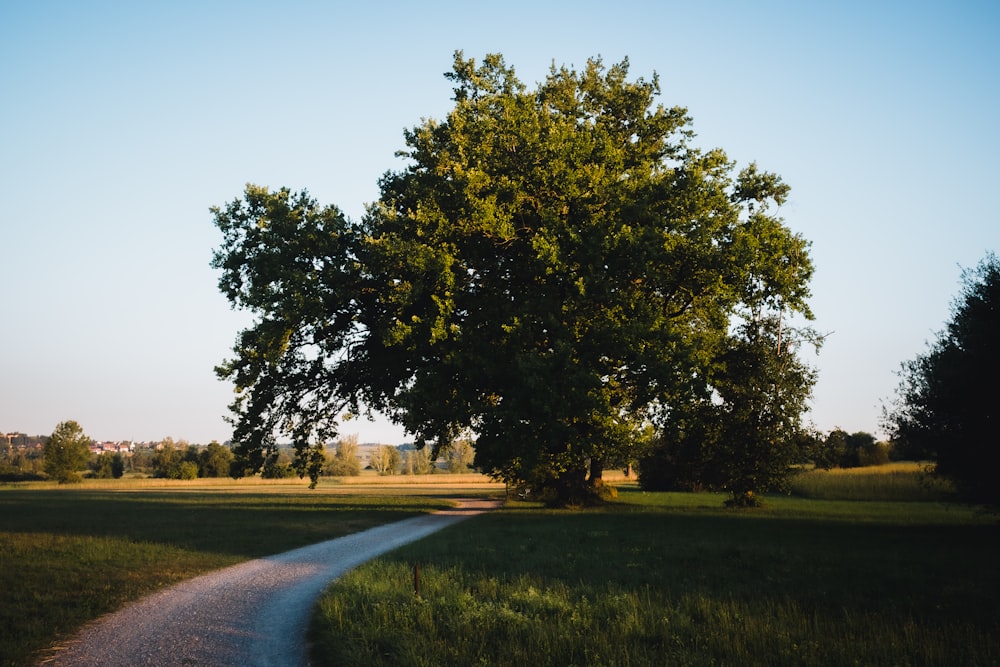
(344, 459)
(840, 449)
(66, 456)
(183, 461)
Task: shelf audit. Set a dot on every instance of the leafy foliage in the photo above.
(459, 455)
(292, 262)
(344, 462)
(66, 452)
(386, 459)
(554, 269)
(847, 450)
(176, 460)
(108, 466)
(948, 398)
(743, 437)
(215, 460)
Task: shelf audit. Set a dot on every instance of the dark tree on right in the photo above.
(947, 403)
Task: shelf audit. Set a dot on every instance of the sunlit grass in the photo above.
(895, 481)
(675, 579)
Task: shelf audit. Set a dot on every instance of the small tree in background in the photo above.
(67, 452)
(215, 460)
(108, 466)
(947, 405)
(277, 465)
(459, 455)
(187, 470)
(175, 460)
(385, 459)
(417, 462)
(763, 387)
(345, 461)
(867, 451)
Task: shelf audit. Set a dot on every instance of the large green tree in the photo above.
(554, 269)
(67, 452)
(948, 401)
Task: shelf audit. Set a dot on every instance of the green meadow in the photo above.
(676, 579)
(70, 554)
(821, 577)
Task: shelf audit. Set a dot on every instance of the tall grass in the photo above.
(895, 481)
(648, 582)
(68, 555)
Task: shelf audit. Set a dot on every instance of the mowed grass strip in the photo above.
(69, 555)
(673, 579)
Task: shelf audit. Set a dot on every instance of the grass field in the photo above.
(651, 580)
(70, 554)
(675, 579)
(904, 481)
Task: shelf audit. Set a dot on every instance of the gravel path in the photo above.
(254, 613)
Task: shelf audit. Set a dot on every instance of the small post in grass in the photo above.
(416, 580)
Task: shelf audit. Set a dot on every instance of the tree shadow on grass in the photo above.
(924, 569)
(245, 524)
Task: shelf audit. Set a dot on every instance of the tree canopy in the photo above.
(948, 402)
(554, 269)
(67, 452)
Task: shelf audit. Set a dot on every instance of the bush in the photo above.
(187, 470)
(14, 475)
(850, 450)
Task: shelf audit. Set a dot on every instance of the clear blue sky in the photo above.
(121, 123)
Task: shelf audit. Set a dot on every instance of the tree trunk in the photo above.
(596, 472)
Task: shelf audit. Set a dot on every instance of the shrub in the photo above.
(187, 470)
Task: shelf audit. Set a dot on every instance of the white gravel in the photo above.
(255, 613)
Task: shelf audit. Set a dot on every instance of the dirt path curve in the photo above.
(254, 613)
